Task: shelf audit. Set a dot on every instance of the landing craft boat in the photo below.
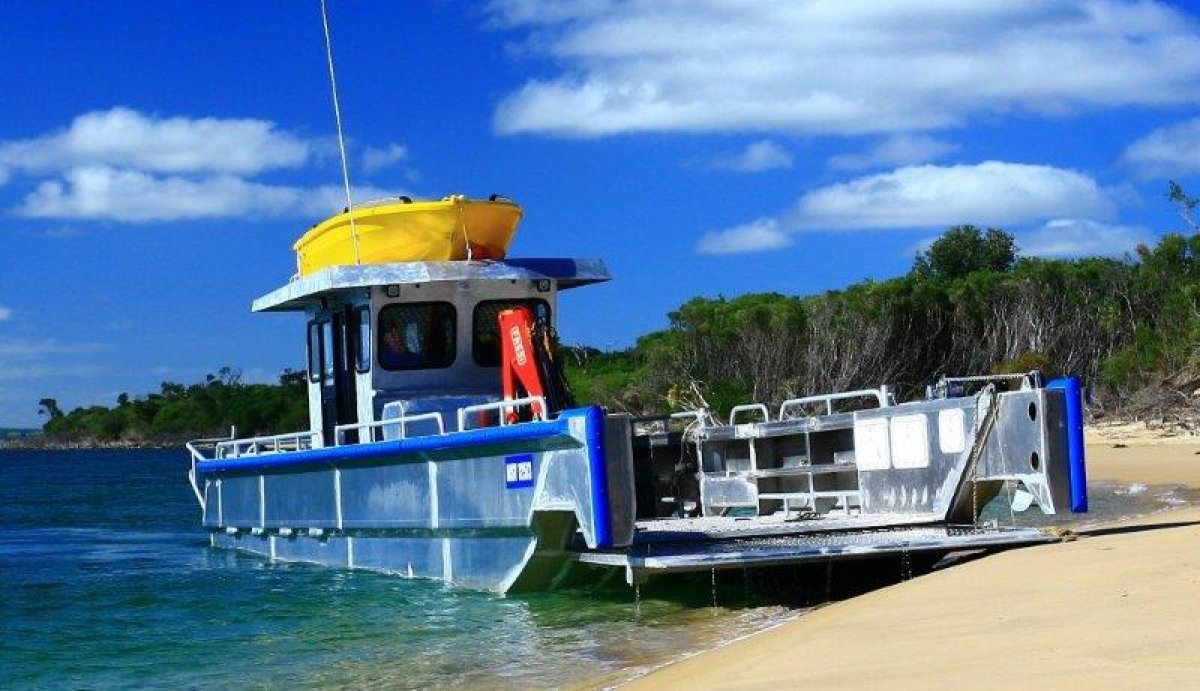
(442, 445)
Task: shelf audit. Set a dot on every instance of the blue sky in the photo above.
(158, 159)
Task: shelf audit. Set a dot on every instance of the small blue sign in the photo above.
(518, 471)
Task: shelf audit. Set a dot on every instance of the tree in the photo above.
(49, 408)
(963, 250)
(293, 378)
(1186, 205)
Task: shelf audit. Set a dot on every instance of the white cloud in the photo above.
(376, 159)
(898, 150)
(990, 193)
(126, 138)
(1074, 237)
(5, 313)
(756, 157)
(130, 196)
(839, 68)
(756, 236)
(1167, 151)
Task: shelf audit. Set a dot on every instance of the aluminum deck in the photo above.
(694, 553)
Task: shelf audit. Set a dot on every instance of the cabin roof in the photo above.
(304, 292)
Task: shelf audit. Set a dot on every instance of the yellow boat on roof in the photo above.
(403, 230)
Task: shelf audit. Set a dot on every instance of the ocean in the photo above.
(110, 582)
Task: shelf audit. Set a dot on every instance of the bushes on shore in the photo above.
(179, 412)
(1130, 327)
(970, 304)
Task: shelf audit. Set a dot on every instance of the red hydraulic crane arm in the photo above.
(520, 375)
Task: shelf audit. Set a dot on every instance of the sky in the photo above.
(157, 160)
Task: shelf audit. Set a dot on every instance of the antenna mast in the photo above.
(337, 116)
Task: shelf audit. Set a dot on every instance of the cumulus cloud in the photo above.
(5, 313)
(130, 196)
(126, 138)
(386, 157)
(1075, 237)
(1167, 151)
(993, 192)
(928, 196)
(898, 150)
(838, 68)
(756, 236)
(756, 157)
(131, 167)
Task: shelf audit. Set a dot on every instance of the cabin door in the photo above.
(339, 394)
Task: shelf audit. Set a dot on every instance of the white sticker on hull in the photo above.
(872, 450)
(910, 441)
(952, 436)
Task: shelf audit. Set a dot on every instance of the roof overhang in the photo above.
(306, 292)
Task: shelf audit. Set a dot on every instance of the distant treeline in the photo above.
(177, 412)
(970, 304)
(1130, 327)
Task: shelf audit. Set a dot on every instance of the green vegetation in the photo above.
(1130, 327)
(178, 412)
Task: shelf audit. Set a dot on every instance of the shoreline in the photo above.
(1115, 606)
(40, 443)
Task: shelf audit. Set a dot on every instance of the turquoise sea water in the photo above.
(110, 582)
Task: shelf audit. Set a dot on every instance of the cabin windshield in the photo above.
(485, 345)
(416, 336)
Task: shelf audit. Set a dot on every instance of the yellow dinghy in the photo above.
(408, 231)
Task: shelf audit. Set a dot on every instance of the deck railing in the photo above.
(267, 444)
(880, 395)
(536, 403)
(402, 422)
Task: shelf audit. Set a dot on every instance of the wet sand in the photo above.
(1117, 607)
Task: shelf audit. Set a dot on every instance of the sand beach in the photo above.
(1117, 607)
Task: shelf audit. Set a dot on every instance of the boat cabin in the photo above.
(412, 340)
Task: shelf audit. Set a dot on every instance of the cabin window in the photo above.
(416, 336)
(327, 352)
(314, 351)
(485, 345)
(363, 342)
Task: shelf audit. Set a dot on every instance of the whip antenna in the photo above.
(337, 116)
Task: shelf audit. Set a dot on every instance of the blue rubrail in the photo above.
(1073, 395)
(598, 471)
(475, 443)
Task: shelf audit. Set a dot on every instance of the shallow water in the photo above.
(109, 582)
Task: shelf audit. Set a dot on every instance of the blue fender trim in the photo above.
(598, 469)
(475, 443)
(1073, 393)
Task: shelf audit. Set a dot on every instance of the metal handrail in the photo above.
(500, 405)
(880, 395)
(233, 447)
(340, 430)
(1032, 379)
(747, 408)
